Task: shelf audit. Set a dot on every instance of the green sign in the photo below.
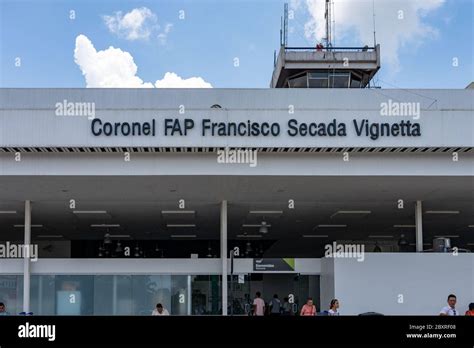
(274, 265)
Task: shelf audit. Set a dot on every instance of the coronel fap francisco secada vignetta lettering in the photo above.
(248, 128)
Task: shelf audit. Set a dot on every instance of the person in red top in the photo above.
(470, 312)
(309, 308)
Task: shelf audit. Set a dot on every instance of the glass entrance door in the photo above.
(239, 299)
(292, 288)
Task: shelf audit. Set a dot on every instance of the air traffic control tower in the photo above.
(323, 66)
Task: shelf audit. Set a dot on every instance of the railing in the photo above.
(326, 49)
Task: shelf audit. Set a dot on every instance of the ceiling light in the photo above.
(249, 236)
(335, 226)
(447, 236)
(89, 212)
(265, 212)
(183, 236)
(470, 226)
(7, 212)
(30, 225)
(404, 226)
(180, 225)
(105, 225)
(315, 236)
(263, 228)
(107, 239)
(119, 248)
(248, 248)
(380, 236)
(442, 212)
(351, 212)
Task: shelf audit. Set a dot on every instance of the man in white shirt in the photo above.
(258, 305)
(450, 309)
(159, 310)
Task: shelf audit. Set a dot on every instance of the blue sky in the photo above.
(213, 33)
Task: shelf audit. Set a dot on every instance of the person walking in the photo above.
(309, 308)
(470, 311)
(286, 307)
(3, 309)
(333, 307)
(258, 305)
(160, 310)
(450, 309)
(275, 305)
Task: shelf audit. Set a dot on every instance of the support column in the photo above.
(224, 255)
(189, 296)
(26, 260)
(114, 294)
(419, 226)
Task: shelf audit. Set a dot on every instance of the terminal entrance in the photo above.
(147, 249)
(293, 288)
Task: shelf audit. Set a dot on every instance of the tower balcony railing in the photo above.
(291, 61)
(332, 49)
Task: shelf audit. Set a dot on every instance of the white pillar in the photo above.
(419, 226)
(189, 295)
(26, 260)
(224, 255)
(114, 294)
(40, 296)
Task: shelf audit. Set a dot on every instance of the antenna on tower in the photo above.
(373, 15)
(327, 16)
(333, 36)
(284, 27)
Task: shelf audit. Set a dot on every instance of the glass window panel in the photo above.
(11, 293)
(74, 295)
(112, 295)
(318, 83)
(318, 75)
(339, 81)
(170, 291)
(298, 82)
(104, 295)
(107, 294)
(205, 295)
(355, 84)
(42, 295)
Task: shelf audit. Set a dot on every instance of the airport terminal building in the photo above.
(197, 198)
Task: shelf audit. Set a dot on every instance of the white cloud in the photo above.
(113, 67)
(398, 23)
(134, 25)
(164, 34)
(138, 24)
(171, 80)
